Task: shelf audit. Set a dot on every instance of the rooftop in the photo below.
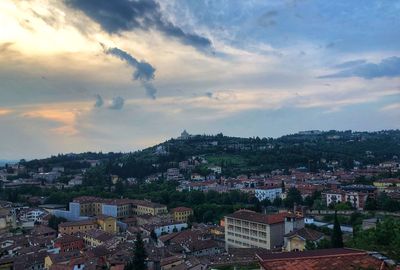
(323, 259)
(257, 217)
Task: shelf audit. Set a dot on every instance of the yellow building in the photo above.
(107, 224)
(296, 240)
(149, 208)
(385, 183)
(182, 214)
(74, 227)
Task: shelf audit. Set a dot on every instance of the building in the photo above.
(107, 224)
(296, 240)
(327, 259)
(68, 243)
(268, 193)
(94, 238)
(248, 229)
(182, 213)
(333, 197)
(74, 227)
(147, 207)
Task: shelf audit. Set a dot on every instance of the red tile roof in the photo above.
(181, 209)
(324, 259)
(257, 217)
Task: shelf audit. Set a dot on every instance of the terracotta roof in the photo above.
(257, 217)
(323, 259)
(181, 209)
(306, 234)
(78, 223)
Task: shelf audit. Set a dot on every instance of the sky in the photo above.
(122, 75)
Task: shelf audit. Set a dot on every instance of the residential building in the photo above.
(296, 240)
(268, 193)
(74, 227)
(182, 213)
(248, 229)
(68, 243)
(147, 207)
(107, 224)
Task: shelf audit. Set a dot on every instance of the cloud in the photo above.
(117, 103)
(150, 89)
(392, 107)
(99, 101)
(209, 94)
(388, 67)
(350, 64)
(268, 18)
(143, 70)
(4, 111)
(125, 15)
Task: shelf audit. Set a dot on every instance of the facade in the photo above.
(268, 193)
(107, 224)
(296, 240)
(149, 208)
(74, 227)
(69, 243)
(248, 229)
(182, 213)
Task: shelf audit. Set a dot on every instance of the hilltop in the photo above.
(309, 150)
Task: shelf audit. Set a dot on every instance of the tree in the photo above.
(139, 258)
(337, 235)
(54, 221)
(370, 204)
(293, 196)
(153, 235)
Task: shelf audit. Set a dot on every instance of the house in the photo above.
(81, 226)
(248, 229)
(296, 240)
(68, 242)
(182, 213)
(268, 193)
(327, 259)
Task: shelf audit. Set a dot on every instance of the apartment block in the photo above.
(248, 229)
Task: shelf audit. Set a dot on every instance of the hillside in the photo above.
(312, 150)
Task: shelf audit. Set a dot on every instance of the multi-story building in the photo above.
(268, 193)
(107, 223)
(73, 227)
(148, 208)
(182, 213)
(68, 243)
(248, 229)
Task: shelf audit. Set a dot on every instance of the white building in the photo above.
(268, 193)
(215, 169)
(334, 197)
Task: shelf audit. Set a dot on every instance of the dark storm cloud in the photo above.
(388, 67)
(124, 15)
(117, 103)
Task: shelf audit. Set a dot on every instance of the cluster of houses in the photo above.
(98, 233)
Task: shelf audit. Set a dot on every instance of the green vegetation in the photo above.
(337, 236)
(384, 238)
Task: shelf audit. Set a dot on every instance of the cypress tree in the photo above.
(139, 258)
(337, 236)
